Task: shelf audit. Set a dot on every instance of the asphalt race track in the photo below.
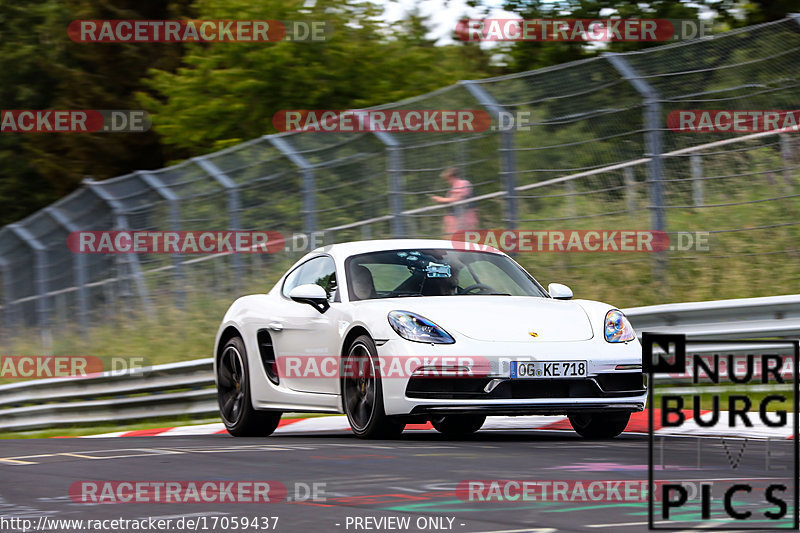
(414, 477)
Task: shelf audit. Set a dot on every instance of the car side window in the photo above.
(320, 270)
(465, 278)
(491, 274)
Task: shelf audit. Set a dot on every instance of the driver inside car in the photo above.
(439, 287)
(442, 286)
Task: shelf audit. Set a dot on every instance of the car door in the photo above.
(305, 340)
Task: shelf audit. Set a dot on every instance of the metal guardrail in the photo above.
(170, 390)
(742, 318)
(187, 388)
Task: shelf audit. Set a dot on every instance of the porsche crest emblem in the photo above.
(533, 334)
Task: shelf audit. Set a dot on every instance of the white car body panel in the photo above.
(497, 328)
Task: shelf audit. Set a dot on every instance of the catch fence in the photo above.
(592, 151)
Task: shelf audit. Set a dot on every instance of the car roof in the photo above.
(346, 249)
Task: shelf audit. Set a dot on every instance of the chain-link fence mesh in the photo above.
(590, 149)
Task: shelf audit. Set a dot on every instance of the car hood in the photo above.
(497, 318)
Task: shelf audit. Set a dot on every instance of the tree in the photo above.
(26, 83)
(101, 76)
(529, 55)
(228, 92)
(43, 69)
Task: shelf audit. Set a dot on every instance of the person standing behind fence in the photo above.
(462, 216)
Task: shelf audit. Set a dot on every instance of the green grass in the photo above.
(758, 262)
(740, 264)
(170, 335)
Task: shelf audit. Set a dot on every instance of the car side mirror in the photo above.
(311, 294)
(559, 291)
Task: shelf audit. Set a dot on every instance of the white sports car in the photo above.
(391, 332)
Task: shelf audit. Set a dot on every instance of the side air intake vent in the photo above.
(267, 353)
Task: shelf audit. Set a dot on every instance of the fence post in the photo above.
(118, 210)
(175, 225)
(786, 143)
(307, 171)
(234, 207)
(8, 292)
(78, 268)
(788, 160)
(630, 189)
(698, 196)
(570, 188)
(39, 272)
(394, 166)
(507, 163)
(653, 149)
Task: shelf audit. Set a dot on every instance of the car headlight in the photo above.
(617, 327)
(417, 328)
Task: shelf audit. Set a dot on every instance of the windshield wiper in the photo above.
(400, 294)
(484, 294)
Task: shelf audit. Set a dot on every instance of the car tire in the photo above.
(362, 393)
(599, 425)
(458, 425)
(233, 394)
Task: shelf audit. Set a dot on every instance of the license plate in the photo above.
(548, 369)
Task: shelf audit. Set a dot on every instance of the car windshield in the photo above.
(436, 272)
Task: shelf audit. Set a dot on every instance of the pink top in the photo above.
(460, 190)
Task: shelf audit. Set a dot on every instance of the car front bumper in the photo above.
(506, 409)
(491, 390)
